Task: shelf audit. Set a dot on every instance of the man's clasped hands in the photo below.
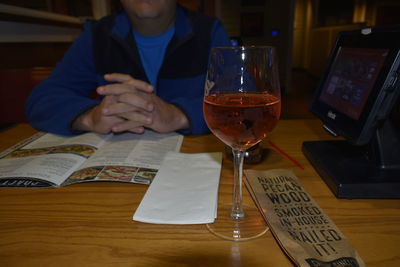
(130, 105)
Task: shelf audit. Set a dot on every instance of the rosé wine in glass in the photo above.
(242, 105)
(241, 120)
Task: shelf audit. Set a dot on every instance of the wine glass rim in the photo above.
(244, 47)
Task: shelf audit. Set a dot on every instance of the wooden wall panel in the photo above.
(29, 55)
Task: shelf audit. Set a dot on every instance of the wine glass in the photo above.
(242, 105)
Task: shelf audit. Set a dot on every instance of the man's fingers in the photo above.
(132, 126)
(121, 108)
(120, 88)
(135, 118)
(117, 77)
(141, 101)
(125, 78)
(109, 100)
(127, 102)
(137, 130)
(115, 89)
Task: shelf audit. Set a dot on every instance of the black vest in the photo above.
(185, 58)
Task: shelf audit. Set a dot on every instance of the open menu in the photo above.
(48, 160)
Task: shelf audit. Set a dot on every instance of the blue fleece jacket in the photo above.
(107, 46)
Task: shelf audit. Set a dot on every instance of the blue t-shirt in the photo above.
(152, 50)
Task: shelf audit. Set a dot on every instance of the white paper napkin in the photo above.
(184, 191)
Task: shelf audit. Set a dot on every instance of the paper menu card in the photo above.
(184, 191)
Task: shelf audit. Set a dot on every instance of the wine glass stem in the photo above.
(237, 208)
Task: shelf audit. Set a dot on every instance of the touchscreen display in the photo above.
(351, 79)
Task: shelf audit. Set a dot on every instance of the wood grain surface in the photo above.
(91, 224)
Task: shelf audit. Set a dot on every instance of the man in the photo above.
(148, 66)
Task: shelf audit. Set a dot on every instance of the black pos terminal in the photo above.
(358, 99)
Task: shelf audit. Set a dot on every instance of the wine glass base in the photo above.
(250, 227)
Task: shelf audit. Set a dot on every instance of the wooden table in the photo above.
(91, 224)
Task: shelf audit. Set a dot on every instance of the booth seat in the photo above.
(15, 87)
